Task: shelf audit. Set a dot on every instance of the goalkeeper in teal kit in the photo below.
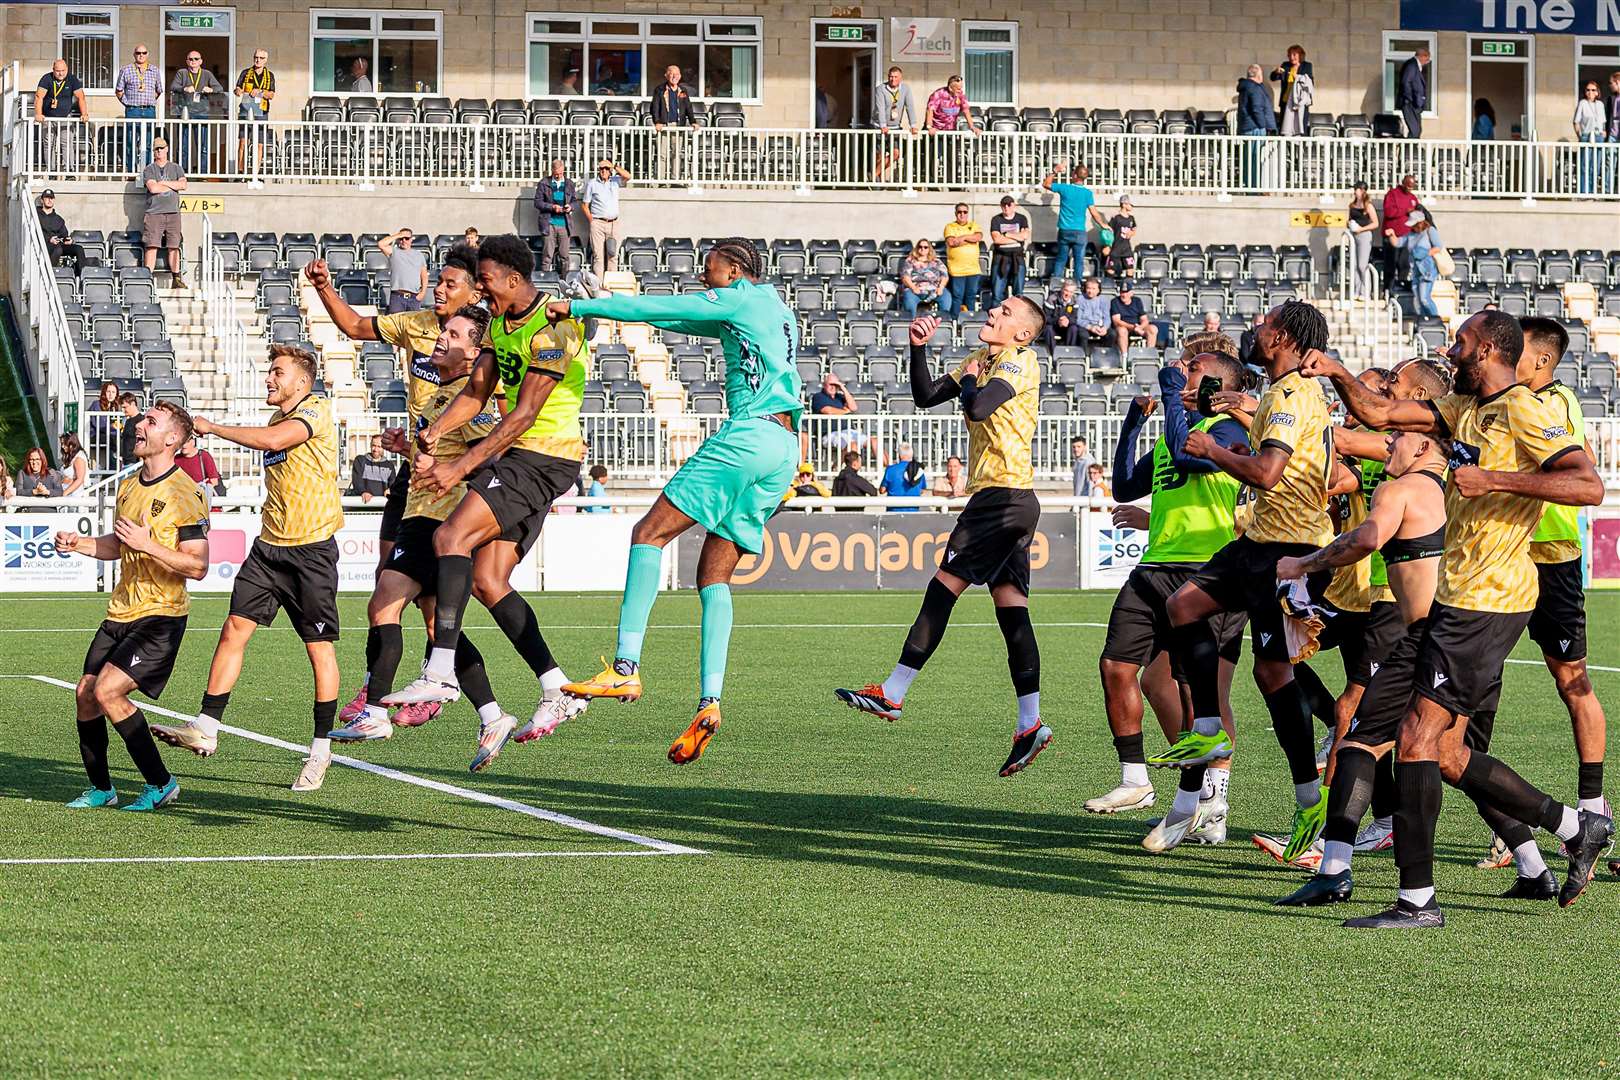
(730, 486)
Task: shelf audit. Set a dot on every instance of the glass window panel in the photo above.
(421, 24)
(407, 66)
(615, 70)
(601, 27)
(669, 29)
(730, 71)
(988, 76)
(571, 27)
(731, 29)
(334, 63)
(554, 68)
(87, 18)
(343, 22)
(989, 35)
(87, 45)
(660, 56)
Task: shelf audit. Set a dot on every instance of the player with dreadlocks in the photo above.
(999, 388)
(730, 486)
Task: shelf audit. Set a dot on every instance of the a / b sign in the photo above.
(201, 204)
(1513, 16)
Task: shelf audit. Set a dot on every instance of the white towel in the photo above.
(1304, 619)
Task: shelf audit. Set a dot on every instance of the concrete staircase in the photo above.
(208, 386)
(1364, 333)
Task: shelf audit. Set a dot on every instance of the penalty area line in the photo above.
(661, 847)
(405, 857)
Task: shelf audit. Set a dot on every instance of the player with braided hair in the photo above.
(730, 486)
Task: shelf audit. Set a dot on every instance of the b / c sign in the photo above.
(1515, 16)
(929, 41)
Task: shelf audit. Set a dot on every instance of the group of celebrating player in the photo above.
(1452, 508)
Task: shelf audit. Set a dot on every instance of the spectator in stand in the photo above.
(600, 201)
(1129, 317)
(962, 238)
(1077, 208)
(191, 97)
(407, 272)
(8, 490)
(59, 107)
(75, 463)
(894, 111)
(373, 473)
(948, 108)
(130, 406)
(833, 400)
(1212, 322)
(1062, 322)
(1399, 202)
(904, 478)
(1096, 486)
(598, 489)
(1120, 256)
(1246, 339)
(1009, 247)
(1362, 224)
(470, 236)
(1255, 120)
(1613, 127)
(104, 427)
(1412, 92)
(1080, 462)
(805, 485)
(160, 228)
(555, 199)
(200, 466)
(569, 87)
(256, 86)
(1484, 121)
(58, 238)
(1093, 312)
(1421, 240)
(672, 107)
(850, 482)
(138, 88)
(359, 79)
(1287, 75)
(36, 479)
(922, 278)
(953, 485)
(1589, 128)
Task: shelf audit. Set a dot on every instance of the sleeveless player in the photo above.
(293, 564)
(1406, 524)
(999, 388)
(415, 332)
(1511, 452)
(730, 486)
(1189, 519)
(512, 475)
(159, 538)
(1289, 471)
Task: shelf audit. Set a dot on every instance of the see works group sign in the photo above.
(1515, 16)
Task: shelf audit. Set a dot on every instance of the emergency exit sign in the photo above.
(1499, 48)
(846, 33)
(194, 22)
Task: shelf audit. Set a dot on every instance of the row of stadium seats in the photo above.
(544, 112)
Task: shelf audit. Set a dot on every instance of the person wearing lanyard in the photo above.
(137, 88)
(256, 86)
(600, 201)
(191, 94)
(60, 97)
(894, 108)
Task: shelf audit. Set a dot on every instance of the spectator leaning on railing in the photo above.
(58, 105)
(36, 479)
(948, 108)
(894, 112)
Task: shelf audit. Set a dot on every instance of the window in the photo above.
(87, 38)
(626, 55)
(1399, 45)
(375, 52)
(1596, 59)
(990, 62)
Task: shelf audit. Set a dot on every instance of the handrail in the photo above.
(473, 155)
(54, 366)
(231, 341)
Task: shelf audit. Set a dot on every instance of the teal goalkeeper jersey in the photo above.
(756, 330)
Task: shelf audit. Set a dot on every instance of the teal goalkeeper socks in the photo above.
(716, 639)
(640, 590)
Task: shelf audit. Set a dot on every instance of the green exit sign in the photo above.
(1499, 48)
(846, 33)
(179, 21)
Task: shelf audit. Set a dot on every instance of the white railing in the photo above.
(473, 155)
(235, 350)
(41, 318)
(1375, 317)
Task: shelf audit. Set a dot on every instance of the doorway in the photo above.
(1501, 72)
(844, 62)
(211, 34)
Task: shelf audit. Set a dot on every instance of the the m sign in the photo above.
(1515, 16)
(929, 41)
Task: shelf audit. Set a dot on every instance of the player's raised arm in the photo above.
(1360, 443)
(349, 322)
(1383, 520)
(468, 403)
(1567, 475)
(280, 436)
(441, 476)
(700, 313)
(926, 389)
(1372, 409)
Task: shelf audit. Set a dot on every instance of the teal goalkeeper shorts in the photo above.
(735, 481)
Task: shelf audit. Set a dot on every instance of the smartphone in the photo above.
(1208, 387)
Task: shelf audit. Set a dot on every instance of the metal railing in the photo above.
(1375, 317)
(474, 155)
(42, 320)
(234, 349)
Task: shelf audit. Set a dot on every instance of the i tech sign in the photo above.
(29, 560)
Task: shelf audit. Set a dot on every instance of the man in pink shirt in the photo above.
(1398, 205)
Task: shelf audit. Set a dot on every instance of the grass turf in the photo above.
(874, 900)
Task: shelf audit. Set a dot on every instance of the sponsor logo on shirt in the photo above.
(1555, 432)
(1281, 419)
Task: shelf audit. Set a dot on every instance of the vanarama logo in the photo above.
(830, 558)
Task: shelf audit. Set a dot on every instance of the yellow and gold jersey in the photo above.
(1293, 416)
(176, 510)
(1487, 564)
(532, 342)
(451, 445)
(417, 331)
(301, 485)
(1000, 453)
(1352, 588)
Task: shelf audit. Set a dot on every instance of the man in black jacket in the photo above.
(672, 101)
(555, 199)
(1412, 96)
(58, 240)
(850, 481)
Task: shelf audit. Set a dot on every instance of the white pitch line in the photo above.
(82, 861)
(1543, 663)
(614, 626)
(663, 847)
